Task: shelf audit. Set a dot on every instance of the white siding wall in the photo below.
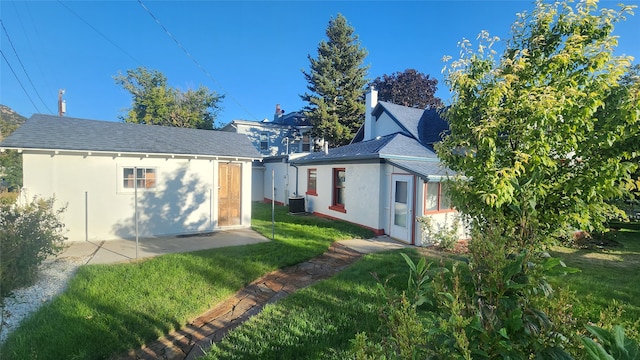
(281, 181)
(362, 193)
(184, 200)
(257, 183)
(442, 220)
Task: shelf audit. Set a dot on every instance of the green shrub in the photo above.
(8, 197)
(444, 235)
(28, 234)
(469, 312)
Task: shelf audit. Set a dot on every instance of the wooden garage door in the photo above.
(229, 194)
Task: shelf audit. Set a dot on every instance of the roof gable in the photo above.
(49, 132)
(425, 126)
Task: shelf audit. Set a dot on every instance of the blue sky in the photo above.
(253, 52)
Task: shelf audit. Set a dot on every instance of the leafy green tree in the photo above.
(11, 169)
(336, 84)
(409, 88)
(540, 138)
(10, 160)
(544, 134)
(155, 103)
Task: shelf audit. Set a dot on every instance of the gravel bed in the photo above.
(54, 275)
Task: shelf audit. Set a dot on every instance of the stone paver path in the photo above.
(210, 327)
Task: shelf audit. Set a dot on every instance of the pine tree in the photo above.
(337, 80)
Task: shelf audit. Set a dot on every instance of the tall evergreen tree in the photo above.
(337, 80)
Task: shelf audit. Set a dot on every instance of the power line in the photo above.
(101, 34)
(19, 82)
(192, 58)
(41, 73)
(23, 68)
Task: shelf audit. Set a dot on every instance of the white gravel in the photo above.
(53, 278)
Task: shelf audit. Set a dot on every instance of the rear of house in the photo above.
(385, 180)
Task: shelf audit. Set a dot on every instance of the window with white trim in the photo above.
(144, 178)
(264, 141)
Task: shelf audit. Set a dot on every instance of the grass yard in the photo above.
(609, 281)
(318, 322)
(108, 309)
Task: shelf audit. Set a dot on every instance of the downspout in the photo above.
(413, 210)
(295, 166)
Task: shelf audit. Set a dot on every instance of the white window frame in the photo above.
(122, 189)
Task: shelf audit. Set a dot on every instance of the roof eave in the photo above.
(126, 153)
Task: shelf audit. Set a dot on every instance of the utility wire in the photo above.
(23, 68)
(19, 82)
(41, 73)
(193, 59)
(99, 33)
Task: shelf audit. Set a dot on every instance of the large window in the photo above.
(145, 178)
(312, 176)
(264, 141)
(436, 198)
(339, 179)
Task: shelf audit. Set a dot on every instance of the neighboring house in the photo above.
(384, 180)
(180, 180)
(286, 134)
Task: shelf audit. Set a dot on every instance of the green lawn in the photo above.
(609, 281)
(108, 309)
(318, 322)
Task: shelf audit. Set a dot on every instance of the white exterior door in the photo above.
(401, 207)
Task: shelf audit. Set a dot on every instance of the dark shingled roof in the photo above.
(65, 133)
(429, 170)
(395, 145)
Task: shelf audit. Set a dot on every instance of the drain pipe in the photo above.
(295, 166)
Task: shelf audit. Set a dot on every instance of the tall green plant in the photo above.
(28, 235)
(540, 138)
(544, 134)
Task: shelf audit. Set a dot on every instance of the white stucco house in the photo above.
(387, 178)
(108, 174)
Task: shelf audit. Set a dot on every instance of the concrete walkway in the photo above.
(115, 251)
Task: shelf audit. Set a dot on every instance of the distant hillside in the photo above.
(9, 121)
